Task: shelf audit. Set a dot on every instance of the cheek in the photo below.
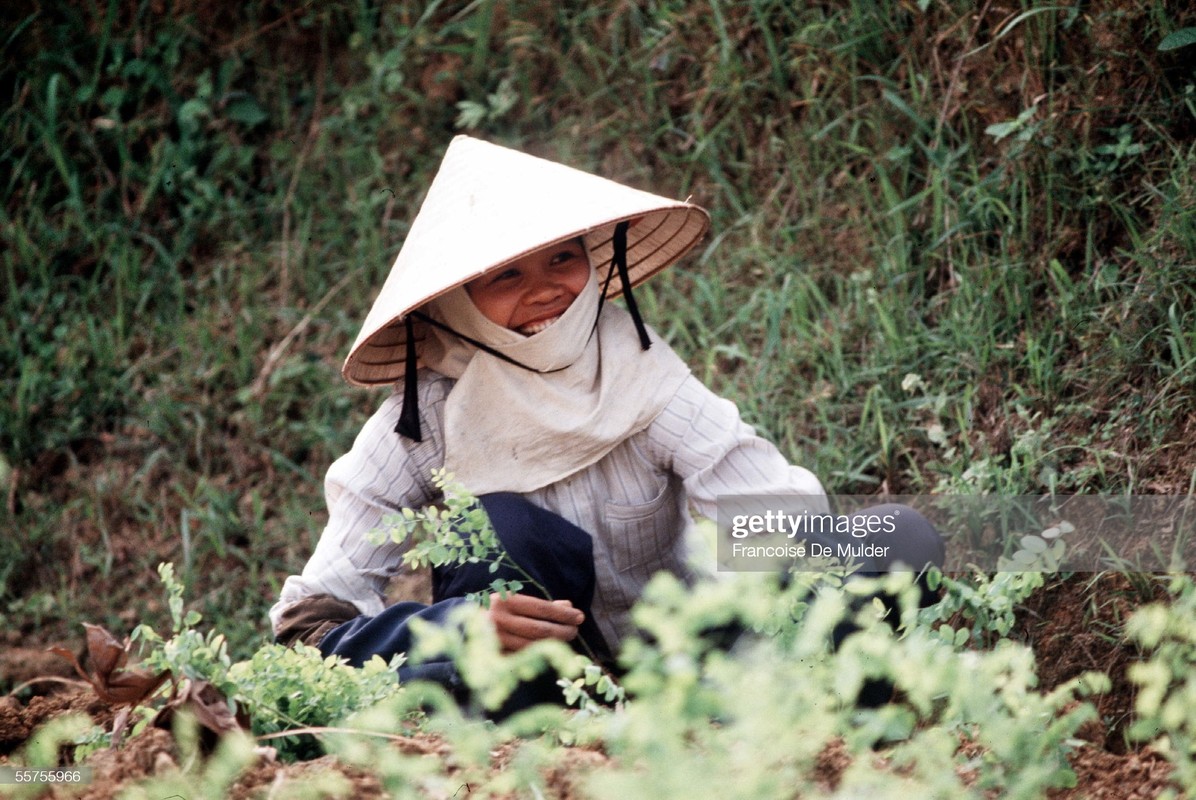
(578, 280)
(495, 306)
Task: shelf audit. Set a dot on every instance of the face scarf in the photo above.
(577, 390)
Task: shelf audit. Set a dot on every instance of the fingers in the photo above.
(525, 605)
(521, 619)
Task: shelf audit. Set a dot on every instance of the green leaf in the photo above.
(470, 114)
(1034, 544)
(999, 130)
(113, 97)
(1024, 557)
(1177, 39)
(190, 113)
(245, 110)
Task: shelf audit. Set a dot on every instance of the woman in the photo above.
(585, 436)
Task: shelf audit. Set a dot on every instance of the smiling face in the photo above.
(531, 293)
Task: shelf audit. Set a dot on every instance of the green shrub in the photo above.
(1166, 677)
(282, 688)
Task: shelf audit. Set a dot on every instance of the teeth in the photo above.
(536, 327)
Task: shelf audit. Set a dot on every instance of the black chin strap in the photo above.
(409, 426)
(619, 261)
(422, 317)
(409, 417)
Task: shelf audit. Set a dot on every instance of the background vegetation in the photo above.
(953, 250)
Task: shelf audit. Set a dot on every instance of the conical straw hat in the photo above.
(489, 205)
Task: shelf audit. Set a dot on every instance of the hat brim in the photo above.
(654, 241)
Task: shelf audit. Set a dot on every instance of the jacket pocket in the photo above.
(642, 538)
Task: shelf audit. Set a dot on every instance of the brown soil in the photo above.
(154, 753)
(1073, 625)
(17, 721)
(1102, 775)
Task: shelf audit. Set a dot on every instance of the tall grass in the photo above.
(952, 250)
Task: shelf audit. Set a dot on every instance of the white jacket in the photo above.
(635, 502)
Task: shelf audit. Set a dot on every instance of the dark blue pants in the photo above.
(914, 544)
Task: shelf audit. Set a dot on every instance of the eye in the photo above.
(508, 274)
(564, 256)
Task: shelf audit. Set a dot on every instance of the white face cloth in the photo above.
(510, 429)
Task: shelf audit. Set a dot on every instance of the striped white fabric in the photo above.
(635, 502)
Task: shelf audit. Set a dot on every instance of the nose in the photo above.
(545, 290)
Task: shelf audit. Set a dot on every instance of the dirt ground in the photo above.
(1070, 635)
(1063, 624)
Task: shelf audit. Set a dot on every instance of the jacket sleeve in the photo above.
(307, 620)
(701, 438)
(382, 473)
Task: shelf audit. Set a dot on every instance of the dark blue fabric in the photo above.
(551, 552)
(914, 544)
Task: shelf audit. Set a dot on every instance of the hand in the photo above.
(521, 619)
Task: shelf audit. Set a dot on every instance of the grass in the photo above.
(199, 205)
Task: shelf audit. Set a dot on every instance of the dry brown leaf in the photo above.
(212, 711)
(210, 707)
(108, 655)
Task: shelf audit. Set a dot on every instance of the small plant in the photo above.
(987, 601)
(472, 114)
(455, 533)
(297, 687)
(1041, 552)
(187, 653)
